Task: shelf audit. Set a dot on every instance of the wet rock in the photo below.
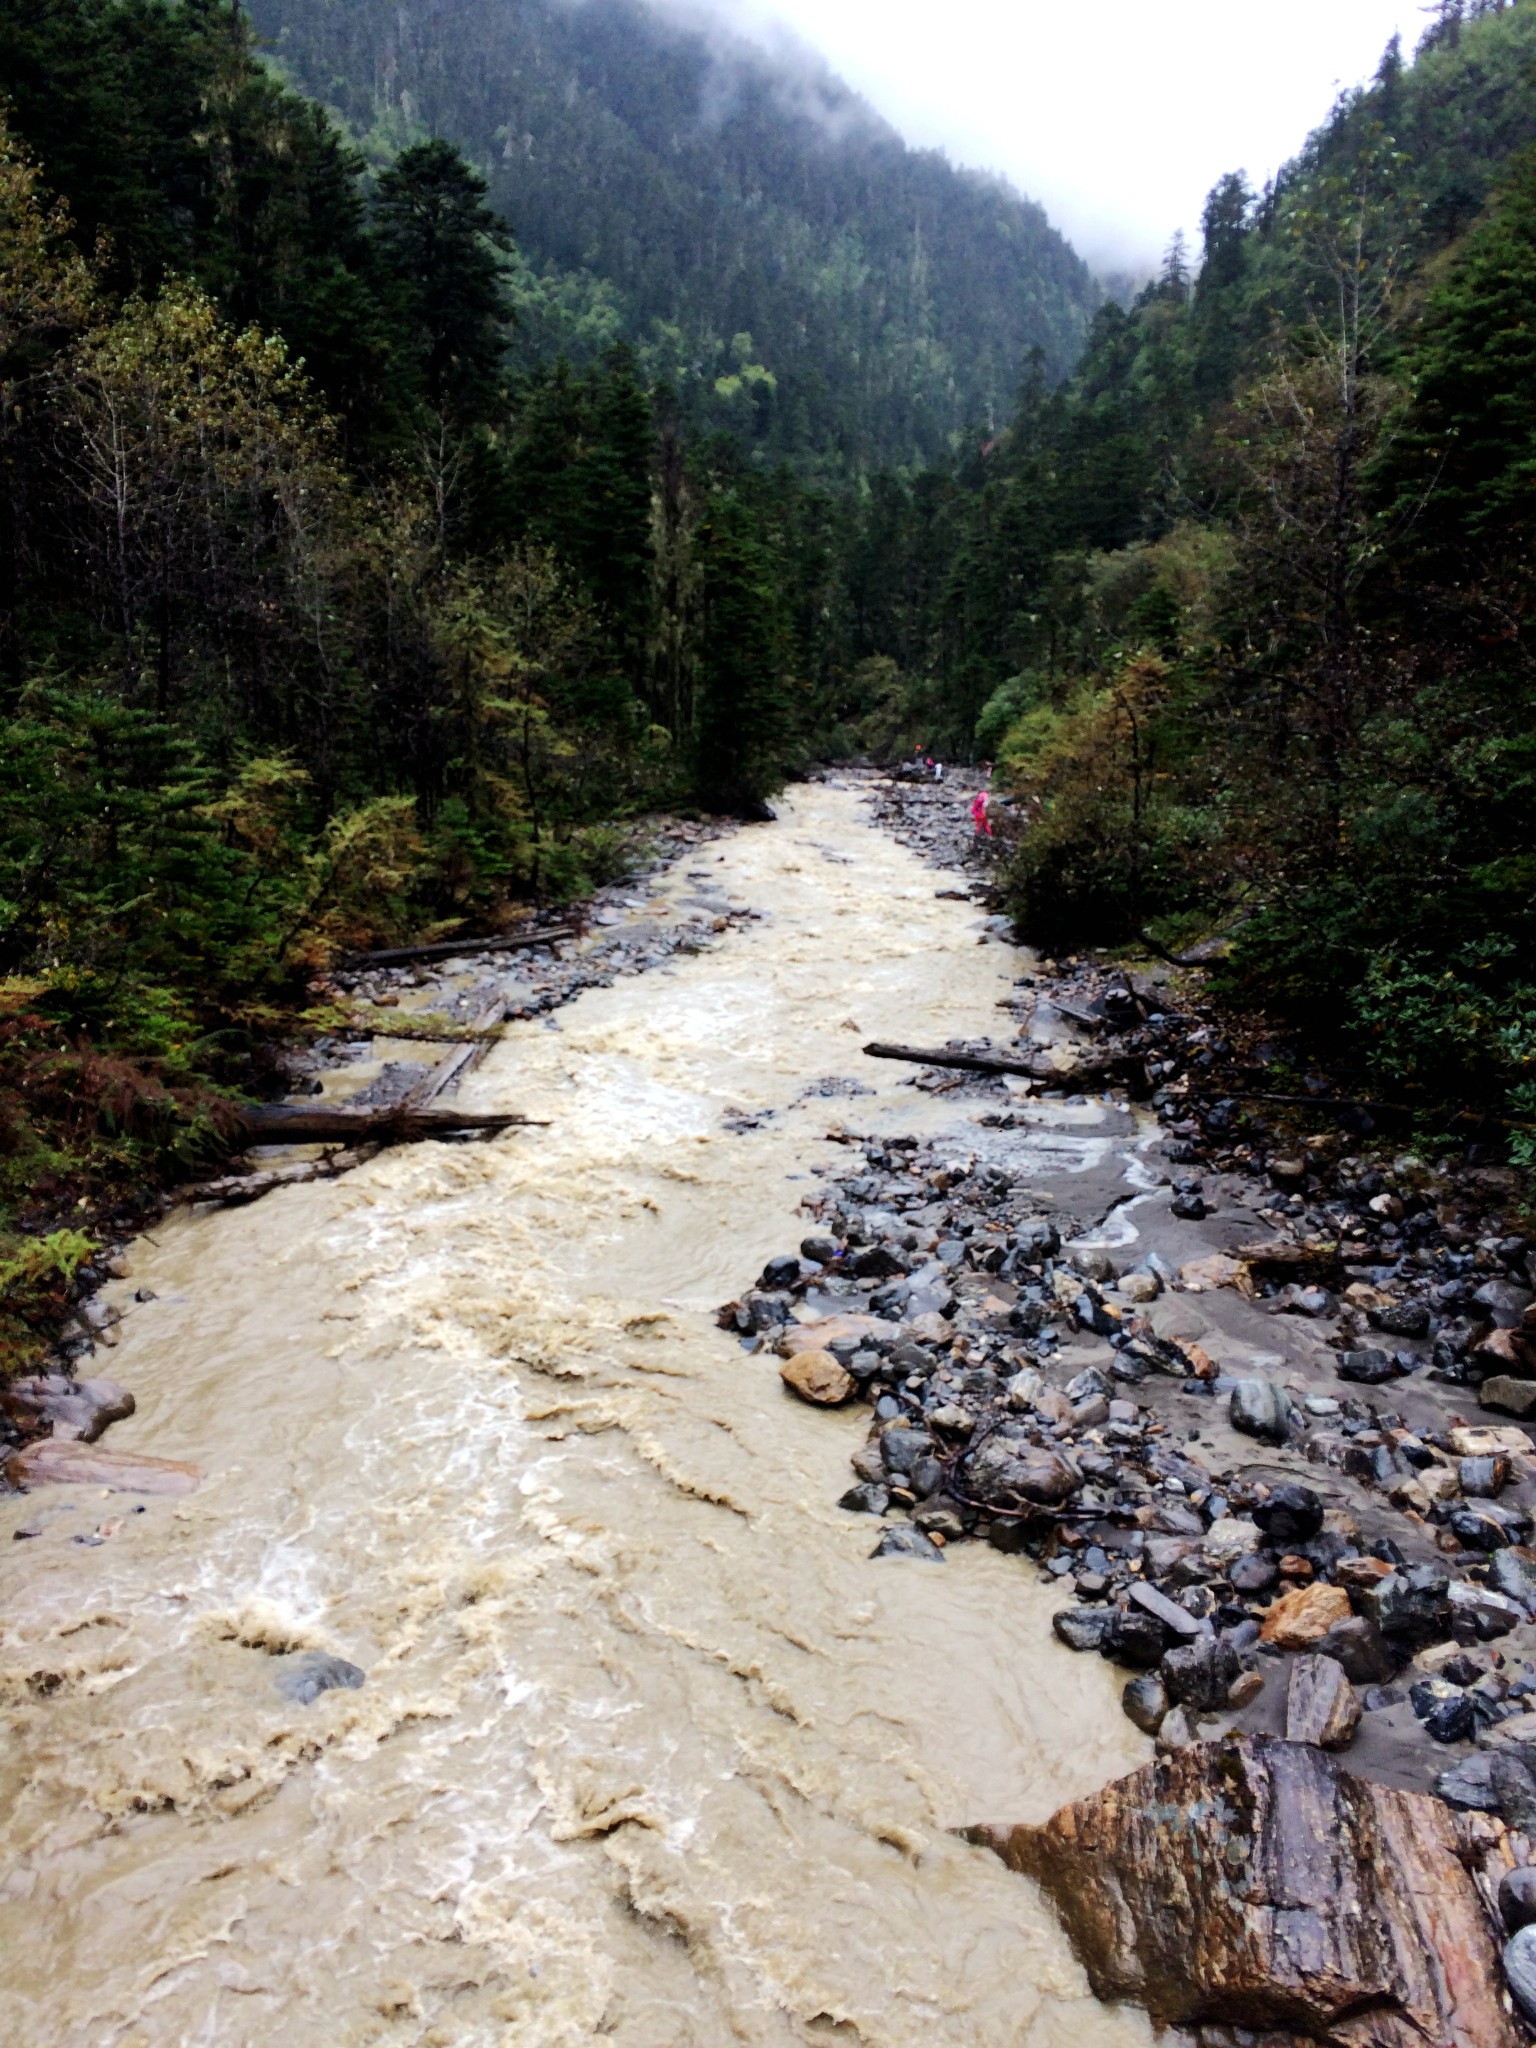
(78, 1410)
(903, 1540)
(1505, 1351)
(1453, 1719)
(866, 1499)
(1254, 1574)
(1520, 1970)
(1361, 1651)
(1502, 1303)
(820, 1249)
(1261, 1410)
(1199, 1675)
(876, 1262)
(1083, 1628)
(1291, 1515)
(1411, 1606)
(816, 1376)
(901, 1448)
(780, 1272)
(1006, 1475)
(1401, 1319)
(1145, 1700)
(1188, 1205)
(1517, 1898)
(1512, 1572)
(1481, 1614)
(1177, 1620)
(1301, 1618)
(1254, 1883)
(1468, 1785)
(1514, 1790)
(1368, 1368)
(303, 1678)
(1483, 1478)
(1037, 1240)
(1134, 1638)
(1140, 1287)
(1320, 1704)
(58, 1463)
(1180, 1730)
(1506, 1396)
(940, 1516)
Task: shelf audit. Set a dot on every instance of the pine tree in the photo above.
(443, 251)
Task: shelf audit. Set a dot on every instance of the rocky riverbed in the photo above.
(1253, 1419)
(1120, 1372)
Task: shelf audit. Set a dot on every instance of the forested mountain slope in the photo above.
(1244, 607)
(775, 252)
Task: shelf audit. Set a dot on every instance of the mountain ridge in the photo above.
(768, 243)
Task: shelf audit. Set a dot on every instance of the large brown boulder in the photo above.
(1255, 1883)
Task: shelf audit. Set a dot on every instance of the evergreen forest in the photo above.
(423, 455)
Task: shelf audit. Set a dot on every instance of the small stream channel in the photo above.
(650, 1752)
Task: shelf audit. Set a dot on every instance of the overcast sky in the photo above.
(1118, 115)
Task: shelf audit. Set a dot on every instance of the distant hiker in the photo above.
(979, 813)
(938, 771)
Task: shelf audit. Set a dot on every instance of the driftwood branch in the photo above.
(1037, 1067)
(973, 1062)
(284, 1123)
(448, 949)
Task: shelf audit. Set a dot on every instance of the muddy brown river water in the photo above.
(650, 1752)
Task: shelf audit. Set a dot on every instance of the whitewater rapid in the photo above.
(650, 1752)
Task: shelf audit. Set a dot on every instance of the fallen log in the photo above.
(1254, 1883)
(973, 1062)
(1038, 1067)
(284, 1123)
(233, 1190)
(448, 949)
(457, 1064)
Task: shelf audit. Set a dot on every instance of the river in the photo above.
(650, 1752)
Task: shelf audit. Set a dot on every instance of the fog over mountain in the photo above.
(767, 242)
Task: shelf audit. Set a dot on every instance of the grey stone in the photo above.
(1468, 1785)
(1507, 1396)
(1483, 1478)
(1514, 1787)
(902, 1540)
(1145, 1701)
(1480, 1614)
(303, 1678)
(1517, 1897)
(1083, 1628)
(901, 1448)
(1502, 1303)
(1401, 1319)
(1520, 1970)
(1291, 1515)
(1512, 1572)
(1135, 1638)
(1176, 1619)
(1360, 1649)
(1413, 1605)
(1320, 1704)
(819, 1249)
(1200, 1674)
(1261, 1410)
(780, 1272)
(1488, 1525)
(1368, 1368)
(1254, 1574)
(866, 1500)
